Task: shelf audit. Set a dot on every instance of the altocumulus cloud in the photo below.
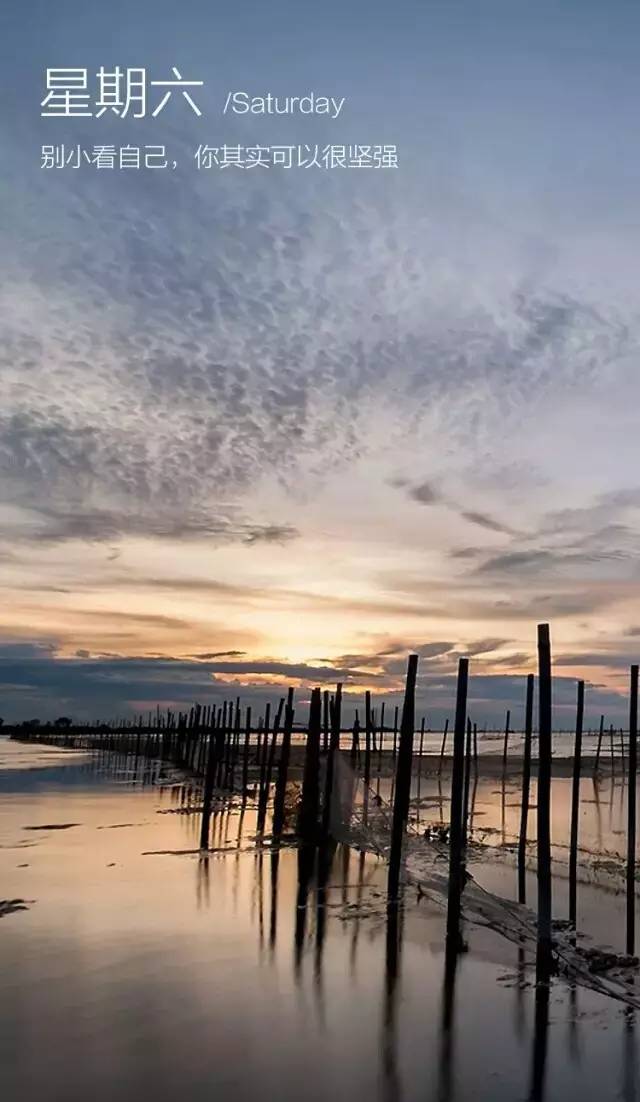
(252, 332)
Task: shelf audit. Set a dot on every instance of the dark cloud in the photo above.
(34, 680)
(485, 646)
(47, 525)
(424, 494)
(483, 520)
(219, 654)
(620, 660)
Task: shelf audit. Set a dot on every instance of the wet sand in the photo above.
(137, 968)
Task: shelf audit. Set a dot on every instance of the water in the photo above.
(140, 970)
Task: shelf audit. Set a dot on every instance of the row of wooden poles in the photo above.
(217, 744)
(462, 754)
(459, 802)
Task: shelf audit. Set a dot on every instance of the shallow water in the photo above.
(141, 970)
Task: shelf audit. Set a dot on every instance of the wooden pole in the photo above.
(622, 750)
(208, 792)
(467, 781)
(506, 741)
(367, 738)
(266, 785)
(526, 781)
(444, 744)
(283, 767)
(245, 760)
(455, 829)
(334, 748)
(599, 747)
(403, 778)
(544, 802)
(631, 812)
(575, 810)
(325, 721)
(309, 801)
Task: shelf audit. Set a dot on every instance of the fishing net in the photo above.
(361, 817)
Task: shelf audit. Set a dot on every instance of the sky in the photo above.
(268, 427)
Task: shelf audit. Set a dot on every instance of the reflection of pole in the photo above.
(273, 917)
(445, 1089)
(356, 921)
(526, 780)
(541, 1029)
(325, 860)
(388, 1047)
(305, 869)
(630, 1059)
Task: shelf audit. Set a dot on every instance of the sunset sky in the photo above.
(269, 427)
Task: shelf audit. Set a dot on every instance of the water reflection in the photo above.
(393, 945)
(446, 1068)
(540, 1040)
(630, 1084)
(158, 965)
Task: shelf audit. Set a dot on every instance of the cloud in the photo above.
(46, 525)
(219, 654)
(483, 520)
(243, 338)
(35, 680)
(424, 494)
